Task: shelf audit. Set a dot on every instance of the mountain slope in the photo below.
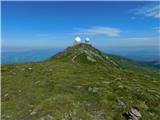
(153, 63)
(79, 83)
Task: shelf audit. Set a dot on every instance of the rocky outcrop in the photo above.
(133, 114)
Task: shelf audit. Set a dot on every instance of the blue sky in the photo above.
(56, 24)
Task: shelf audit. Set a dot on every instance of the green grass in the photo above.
(59, 89)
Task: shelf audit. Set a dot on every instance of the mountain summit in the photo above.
(85, 54)
(80, 83)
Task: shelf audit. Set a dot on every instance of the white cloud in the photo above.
(152, 10)
(108, 31)
(147, 41)
(143, 41)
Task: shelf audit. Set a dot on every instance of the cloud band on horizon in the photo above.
(108, 31)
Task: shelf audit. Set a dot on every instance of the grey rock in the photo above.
(33, 113)
(37, 82)
(50, 116)
(95, 90)
(91, 59)
(29, 68)
(78, 86)
(120, 102)
(36, 110)
(4, 117)
(106, 82)
(133, 114)
(92, 89)
(120, 86)
(42, 118)
(107, 57)
(118, 78)
(66, 116)
(6, 95)
(99, 115)
(19, 90)
(23, 69)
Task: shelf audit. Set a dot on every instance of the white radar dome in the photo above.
(78, 39)
(87, 39)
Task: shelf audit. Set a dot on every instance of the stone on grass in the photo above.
(79, 86)
(6, 95)
(107, 57)
(37, 82)
(120, 102)
(19, 91)
(33, 113)
(120, 86)
(36, 110)
(91, 59)
(106, 82)
(99, 115)
(93, 89)
(50, 116)
(90, 89)
(5, 117)
(29, 68)
(133, 114)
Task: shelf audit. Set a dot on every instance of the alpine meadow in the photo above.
(104, 65)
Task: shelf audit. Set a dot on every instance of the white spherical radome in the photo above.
(78, 39)
(87, 39)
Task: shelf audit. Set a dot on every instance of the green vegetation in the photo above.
(80, 83)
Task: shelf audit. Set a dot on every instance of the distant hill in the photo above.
(80, 83)
(17, 56)
(153, 63)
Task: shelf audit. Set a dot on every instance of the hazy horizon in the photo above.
(124, 28)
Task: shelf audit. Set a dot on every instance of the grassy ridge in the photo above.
(63, 88)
